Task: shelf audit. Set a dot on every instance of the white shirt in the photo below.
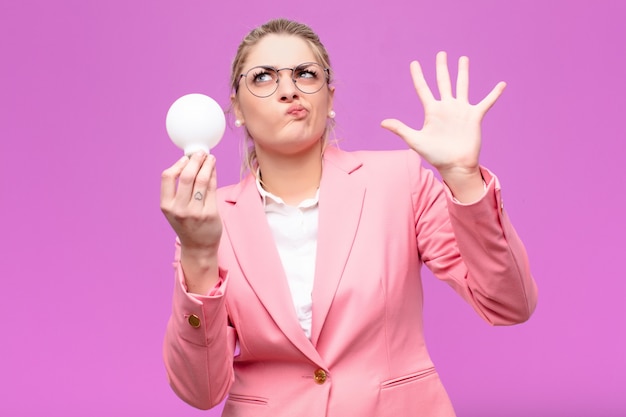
(295, 234)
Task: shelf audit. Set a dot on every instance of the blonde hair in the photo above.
(276, 27)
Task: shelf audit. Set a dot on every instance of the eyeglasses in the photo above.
(263, 81)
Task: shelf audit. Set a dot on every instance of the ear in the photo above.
(236, 108)
(331, 96)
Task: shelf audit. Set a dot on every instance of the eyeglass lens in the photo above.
(263, 81)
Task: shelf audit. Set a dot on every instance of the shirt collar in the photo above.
(270, 199)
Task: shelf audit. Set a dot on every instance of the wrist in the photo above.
(466, 186)
(200, 268)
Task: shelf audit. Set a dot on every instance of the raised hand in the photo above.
(188, 202)
(450, 138)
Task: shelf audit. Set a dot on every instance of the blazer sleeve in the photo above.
(473, 247)
(199, 344)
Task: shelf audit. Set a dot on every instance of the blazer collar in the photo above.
(340, 204)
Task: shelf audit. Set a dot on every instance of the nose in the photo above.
(287, 89)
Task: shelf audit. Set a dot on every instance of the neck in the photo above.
(293, 178)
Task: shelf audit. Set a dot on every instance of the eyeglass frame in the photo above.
(278, 70)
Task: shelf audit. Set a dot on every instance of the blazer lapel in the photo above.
(340, 206)
(249, 233)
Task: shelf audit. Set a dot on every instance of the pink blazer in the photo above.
(381, 216)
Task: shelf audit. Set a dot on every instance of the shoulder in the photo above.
(382, 164)
(392, 159)
(231, 192)
(372, 159)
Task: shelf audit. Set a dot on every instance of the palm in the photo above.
(450, 137)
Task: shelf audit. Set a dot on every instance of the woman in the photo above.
(298, 290)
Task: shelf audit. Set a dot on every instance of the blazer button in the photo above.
(194, 321)
(320, 376)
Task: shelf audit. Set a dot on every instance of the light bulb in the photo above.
(195, 122)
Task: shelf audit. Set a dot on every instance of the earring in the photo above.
(238, 123)
(332, 114)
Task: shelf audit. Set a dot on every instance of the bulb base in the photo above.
(196, 147)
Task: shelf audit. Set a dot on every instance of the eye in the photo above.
(307, 72)
(262, 75)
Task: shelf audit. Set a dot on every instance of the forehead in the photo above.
(280, 51)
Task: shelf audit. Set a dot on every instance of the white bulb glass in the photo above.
(195, 122)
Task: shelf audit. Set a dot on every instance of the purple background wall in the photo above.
(85, 252)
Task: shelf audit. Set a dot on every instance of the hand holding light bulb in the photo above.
(195, 122)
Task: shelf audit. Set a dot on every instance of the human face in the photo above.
(288, 121)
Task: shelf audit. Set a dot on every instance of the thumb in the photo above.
(397, 127)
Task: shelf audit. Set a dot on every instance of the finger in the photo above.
(491, 98)
(212, 186)
(421, 87)
(462, 80)
(397, 127)
(213, 178)
(202, 182)
(169, 178)
(188, 176)
(409, 135)
(443, 76)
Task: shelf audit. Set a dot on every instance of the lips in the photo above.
(296, 110)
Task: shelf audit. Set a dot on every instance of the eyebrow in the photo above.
(282, 67)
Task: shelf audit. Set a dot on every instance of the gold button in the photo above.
(320, 376)
(194, 321)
